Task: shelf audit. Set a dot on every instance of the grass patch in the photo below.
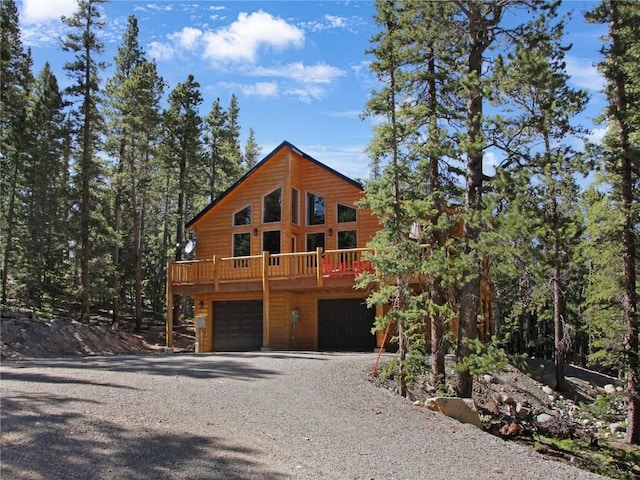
(602, 457)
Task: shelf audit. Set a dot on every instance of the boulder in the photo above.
(609, 388)
(544, 418)
(461, 409)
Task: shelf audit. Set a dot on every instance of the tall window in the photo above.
(346, 214)
(347, 239)
(315, 209)
(241, 244)
(295, 206)
(242, 217)
(241, 248)
(272, 207)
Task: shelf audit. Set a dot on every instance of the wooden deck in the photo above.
(289, 270)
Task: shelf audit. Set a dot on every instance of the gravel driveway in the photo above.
(247, 416)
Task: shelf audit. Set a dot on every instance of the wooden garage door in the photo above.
(237, 326)
(345, 325)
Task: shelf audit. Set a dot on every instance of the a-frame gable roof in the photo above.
(257, 166)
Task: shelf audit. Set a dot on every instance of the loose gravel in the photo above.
(237, 416)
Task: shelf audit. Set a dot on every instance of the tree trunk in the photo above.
(438, 337)
(629, 257)
(117, 225)
(9, 242)
(402, 353)
(470, 293)
(558, 323)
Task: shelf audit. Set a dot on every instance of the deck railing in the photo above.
(318, 264)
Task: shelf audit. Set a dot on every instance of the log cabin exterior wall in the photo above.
(286, 168)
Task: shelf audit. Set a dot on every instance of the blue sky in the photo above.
(298, 68)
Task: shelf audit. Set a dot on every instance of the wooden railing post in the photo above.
(169, 302)
(319, 277)
(216, 285)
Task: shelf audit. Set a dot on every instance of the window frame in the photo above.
(355, 232)
(264, 221)
(233, 216)
(295, 206)
(355, 210)
(307, 204)
(264, 232)
(306, 240)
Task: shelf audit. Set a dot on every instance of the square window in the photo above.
(347, 239)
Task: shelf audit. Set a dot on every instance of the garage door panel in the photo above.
(237, 325)
(345, 325)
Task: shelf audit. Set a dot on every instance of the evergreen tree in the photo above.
(222, 147)
(214, 141)
(183, 154)
(45, 195)
(621, 152)
(232, 150)
(397, 256)
(82, 41)
(15, 84)
(251, 151)
(604, 312)
(133, 119)
(183, 147)
(119, 140)
(535, 81)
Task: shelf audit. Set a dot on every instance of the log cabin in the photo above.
(275, 261)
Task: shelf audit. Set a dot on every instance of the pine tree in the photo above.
(82, 41)
(119, 140)
(535, 81)
(622, 161)
(182, 148)
(251, 151)
(45, 195)
(222, 146)
(132, 96)
(397, 257)
(214, 141)
(15, 84)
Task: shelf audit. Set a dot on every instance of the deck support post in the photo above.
(265, 301)
(169, 302)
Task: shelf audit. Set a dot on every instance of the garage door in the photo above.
(237, 326)
(345, 325)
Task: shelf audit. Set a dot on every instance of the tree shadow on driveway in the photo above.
(42, 440)
(200, 367)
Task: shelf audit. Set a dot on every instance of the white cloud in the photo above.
(161, 51)
(261, 89)
(335, 22)
(489, 163)
(187, 38)
(584, 73)
(597, 134)
(166, 7)
(36, 11)
(306, 94)
(241, 40)
(320, 73)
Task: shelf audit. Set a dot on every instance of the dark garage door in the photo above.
(345, 325)
(237, 326)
